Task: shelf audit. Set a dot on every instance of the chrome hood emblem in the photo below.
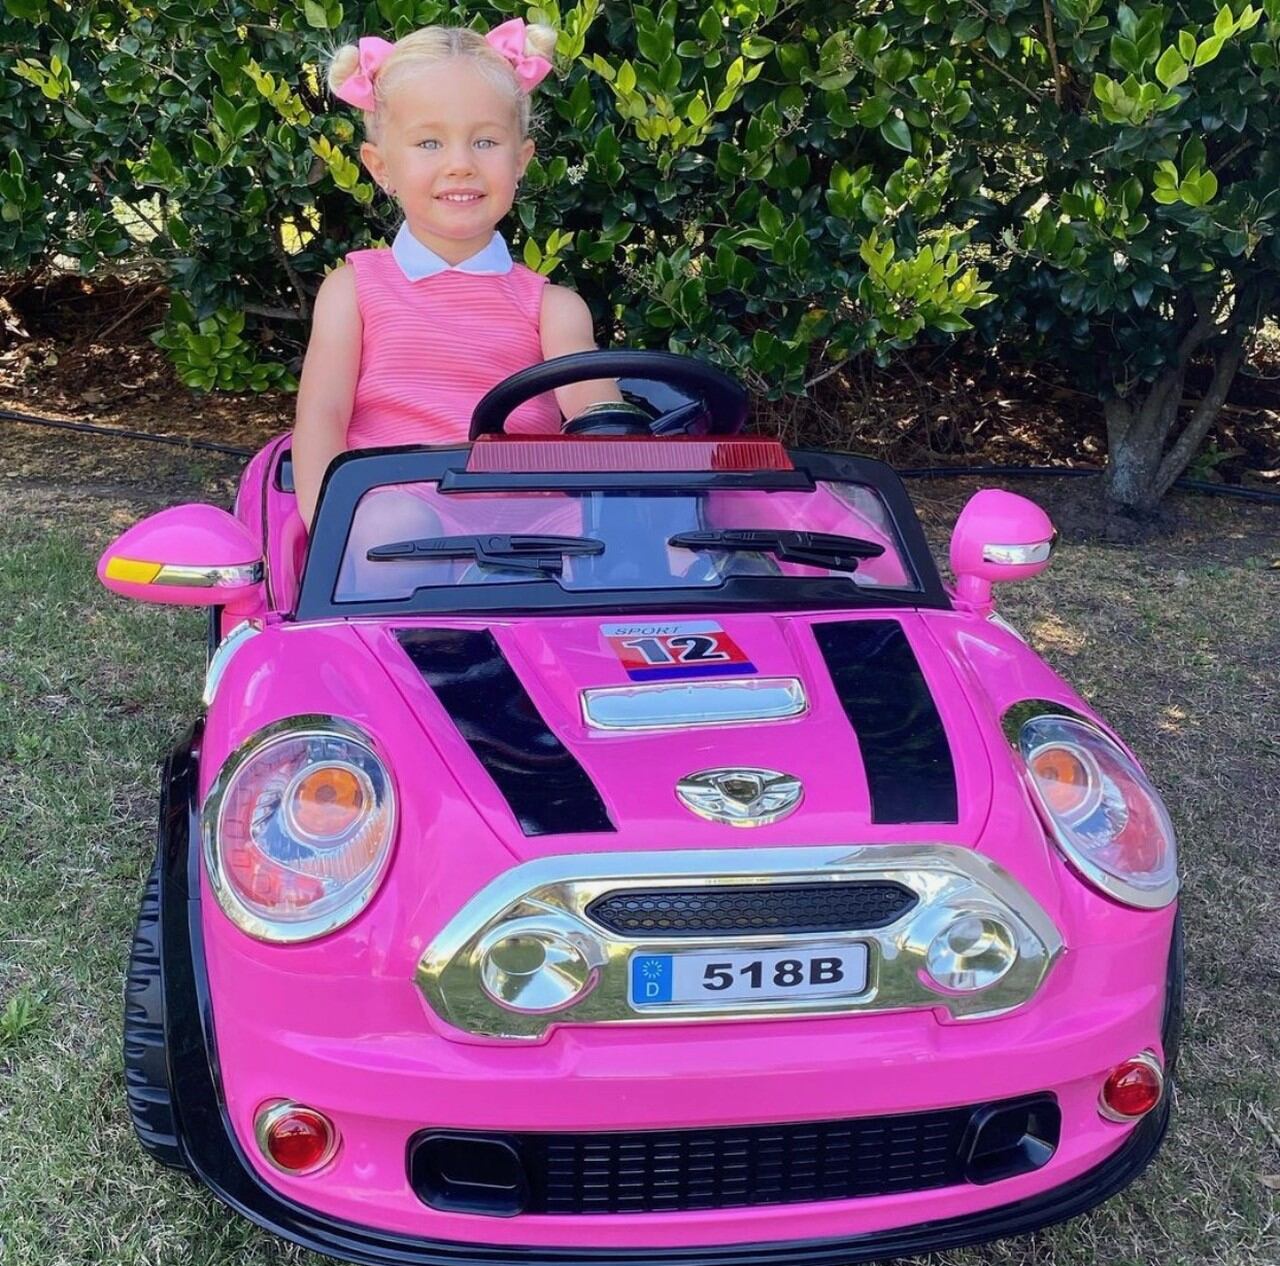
(740, 797)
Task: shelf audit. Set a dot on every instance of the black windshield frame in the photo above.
(353, 474)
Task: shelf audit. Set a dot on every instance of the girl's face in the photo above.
(450, 148)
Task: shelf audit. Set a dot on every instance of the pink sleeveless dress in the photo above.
(432, 347)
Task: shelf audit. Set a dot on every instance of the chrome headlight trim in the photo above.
(303, 726)
(223, 655)
(945, 878)
(1014, 718)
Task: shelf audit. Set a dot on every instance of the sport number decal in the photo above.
(694, 648)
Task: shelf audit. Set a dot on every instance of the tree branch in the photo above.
(1013, 79)
(1200, 332)
(274, 314)
(1224, 371)
(1052, 45)
(826, 373)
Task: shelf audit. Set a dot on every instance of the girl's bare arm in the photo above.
(327, 389)
(566, 327)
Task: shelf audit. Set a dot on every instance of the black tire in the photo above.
(146, 1065)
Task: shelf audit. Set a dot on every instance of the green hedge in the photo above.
(741, 177)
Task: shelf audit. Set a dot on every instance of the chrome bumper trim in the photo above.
(945, 878)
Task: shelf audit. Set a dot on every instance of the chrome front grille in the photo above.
(753, 909)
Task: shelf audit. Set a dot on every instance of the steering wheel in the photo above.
(719, 401)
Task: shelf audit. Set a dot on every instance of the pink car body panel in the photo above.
(341, 1025)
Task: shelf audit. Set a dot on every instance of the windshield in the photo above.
(611, 539)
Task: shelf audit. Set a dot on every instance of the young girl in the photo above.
(406, 340)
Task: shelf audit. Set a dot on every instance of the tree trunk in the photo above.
(1147, 450)
(1136, 434)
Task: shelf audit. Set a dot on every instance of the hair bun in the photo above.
(540, 41)
(342, 65)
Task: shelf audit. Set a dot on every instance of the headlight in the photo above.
(972, 952)
(1105, 816)
(298, 829)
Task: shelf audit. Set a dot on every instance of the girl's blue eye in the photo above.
(486, 143)
(428, 144)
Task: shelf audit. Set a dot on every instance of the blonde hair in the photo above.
(434, 44)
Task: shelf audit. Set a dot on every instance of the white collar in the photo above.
(418, 261)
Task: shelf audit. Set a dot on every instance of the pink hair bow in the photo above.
(357, 89)
(508, 39)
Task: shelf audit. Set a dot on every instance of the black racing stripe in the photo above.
(887, 700)
(548, 791)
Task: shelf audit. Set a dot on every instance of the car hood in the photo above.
(888, 748)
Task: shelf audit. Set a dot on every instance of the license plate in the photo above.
(712, 978)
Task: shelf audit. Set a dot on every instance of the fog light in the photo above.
(531, 966)
(1132, 1089)
(294, 1138)
(972, 952)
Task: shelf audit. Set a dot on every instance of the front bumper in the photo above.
(213, 1151)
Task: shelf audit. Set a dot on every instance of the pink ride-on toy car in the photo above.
(621, 847)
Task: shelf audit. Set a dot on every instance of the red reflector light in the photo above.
(1132, 1088)
(294, 1138)
(554, 454)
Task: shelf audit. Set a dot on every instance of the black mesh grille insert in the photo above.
(849, 906)
(670, 1170)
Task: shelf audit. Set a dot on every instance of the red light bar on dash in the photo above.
(553, 454)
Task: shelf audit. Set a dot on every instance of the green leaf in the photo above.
(1208, 50)
(756, 46)
(873, 205)
(896, 133)
(225, 112)
(1124, 53)
(999, 40)
(315, 15)
(967, 29)
(873, 112)
(204, 151)
(1171, 69)
(532, 254)
(1225, 22)
(770, 218)
(246, 119)
(1186, 45)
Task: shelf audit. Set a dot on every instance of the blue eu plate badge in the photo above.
(650, 979)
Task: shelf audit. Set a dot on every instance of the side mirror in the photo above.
(998, 536)
(192, 555)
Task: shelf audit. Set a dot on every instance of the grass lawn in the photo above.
(1176, 645)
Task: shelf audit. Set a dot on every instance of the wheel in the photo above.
(146, 1070)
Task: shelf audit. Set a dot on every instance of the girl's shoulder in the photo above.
(370, 257)
(528, 288)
